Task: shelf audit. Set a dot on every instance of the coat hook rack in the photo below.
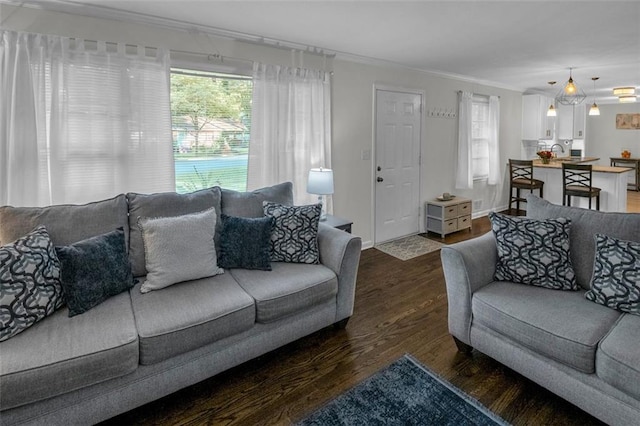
(442, 113)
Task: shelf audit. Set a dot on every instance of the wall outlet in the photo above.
(477, 205)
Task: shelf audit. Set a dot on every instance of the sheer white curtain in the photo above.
(464, 173)
(290, 127)
(493, 141)
(81, 120)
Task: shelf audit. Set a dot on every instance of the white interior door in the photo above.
(397, 144)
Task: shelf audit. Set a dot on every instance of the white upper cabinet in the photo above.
(571, 121)
(535, 123)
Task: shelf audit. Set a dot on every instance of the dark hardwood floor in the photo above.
(401, 307)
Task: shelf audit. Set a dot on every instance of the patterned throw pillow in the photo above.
(30, 286)
(94, 270)
(245, 242)
(534, 252)
(294, 235)
(616, 274)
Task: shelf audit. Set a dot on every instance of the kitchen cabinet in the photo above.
(571, 122)
(535, 123)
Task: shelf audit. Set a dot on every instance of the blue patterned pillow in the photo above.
(245, 242)
(294, 235)
(94, 270)
(616, 274)
(533, 252)
(30, 286)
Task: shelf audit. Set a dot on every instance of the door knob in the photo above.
(379, 179)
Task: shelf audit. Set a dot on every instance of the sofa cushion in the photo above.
(94, 269)
(294, 234)
(178, 248)
(288, 288)
(561, 325)
(534, 252)
(245, 242)
(66, 223)
(61, 354)
(249, 204)
(188, 315)
(616, 275)
(165, 204)
(584, 225)
(30, 287)
(618, 357)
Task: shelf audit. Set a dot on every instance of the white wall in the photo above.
(353, 89)
(604, 140)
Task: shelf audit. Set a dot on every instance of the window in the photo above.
(480, 137)
(210, 121)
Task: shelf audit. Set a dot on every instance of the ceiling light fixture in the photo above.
(594, 110)
(570, 93)
(551, 112)
(622, 91)
(627, 99)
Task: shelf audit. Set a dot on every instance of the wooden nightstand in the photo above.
(338, 223)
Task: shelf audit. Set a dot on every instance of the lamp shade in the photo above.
(320, 181)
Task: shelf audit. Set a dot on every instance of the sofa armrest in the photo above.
(340, 251)
(468, 266)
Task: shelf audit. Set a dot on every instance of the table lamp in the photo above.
(321, 183)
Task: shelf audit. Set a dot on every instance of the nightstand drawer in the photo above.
(464, 209)
(464, 222)
(450, 226)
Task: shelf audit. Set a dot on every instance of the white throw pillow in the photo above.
(178, 249)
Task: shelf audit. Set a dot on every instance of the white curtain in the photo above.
(81, 121)
(494, 146)
(464, 173)
(290, 128)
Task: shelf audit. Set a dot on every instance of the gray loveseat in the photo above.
(134, 348)
(585, 352)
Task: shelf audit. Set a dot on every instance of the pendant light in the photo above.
(551, 112)
(594, 110)
(570, 93)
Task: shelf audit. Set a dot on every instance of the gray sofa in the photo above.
(134, 348)
(585, 352)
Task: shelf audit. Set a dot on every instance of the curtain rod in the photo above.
(479, 94)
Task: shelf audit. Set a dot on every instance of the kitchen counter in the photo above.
(611, 180)
(556, 163)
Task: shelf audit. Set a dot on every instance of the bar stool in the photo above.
(521, 177)
(577, 182)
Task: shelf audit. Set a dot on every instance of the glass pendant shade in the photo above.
(570, 94)
(551, 112)
(594, 110)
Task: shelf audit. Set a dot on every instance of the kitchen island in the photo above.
(611, 180)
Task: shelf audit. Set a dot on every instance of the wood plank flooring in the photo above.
(401, 307)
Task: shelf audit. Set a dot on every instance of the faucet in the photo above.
(557, 144)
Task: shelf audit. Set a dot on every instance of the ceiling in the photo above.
(514, 44)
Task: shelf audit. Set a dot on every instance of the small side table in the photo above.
(629, 162)
(445, 217)
(338, 223)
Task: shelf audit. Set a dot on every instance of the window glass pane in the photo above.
(211, 119)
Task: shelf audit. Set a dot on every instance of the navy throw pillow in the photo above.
(245, 243)
(94, 270)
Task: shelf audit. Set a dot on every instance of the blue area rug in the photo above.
(405, 393)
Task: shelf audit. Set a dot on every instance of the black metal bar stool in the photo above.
(577, 182)
(521, 177)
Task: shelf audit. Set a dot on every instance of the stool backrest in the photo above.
(577, 175)
(521, 169)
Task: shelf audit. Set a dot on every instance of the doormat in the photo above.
(409, 247)
(404, 393)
